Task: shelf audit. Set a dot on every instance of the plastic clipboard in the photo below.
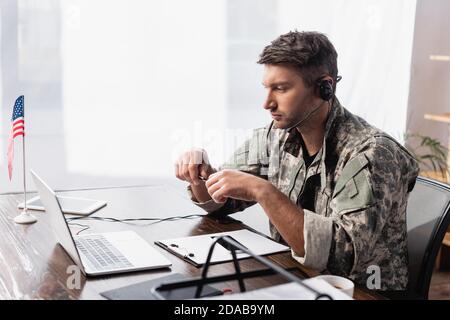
(195, 249)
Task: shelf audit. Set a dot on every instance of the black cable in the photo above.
(128, 220)
(84, 227)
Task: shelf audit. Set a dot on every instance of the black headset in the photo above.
(326, 91)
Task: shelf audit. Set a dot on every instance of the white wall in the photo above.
(115, 89)
(2, 147)
(137, 82)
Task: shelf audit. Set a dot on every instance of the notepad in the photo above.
(195, 249)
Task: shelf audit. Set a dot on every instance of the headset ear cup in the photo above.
(326, 90)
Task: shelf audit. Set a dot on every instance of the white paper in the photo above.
(288, 291)
(199, 246)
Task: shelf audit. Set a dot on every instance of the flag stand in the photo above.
(25, 217)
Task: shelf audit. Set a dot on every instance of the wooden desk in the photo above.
(34, 266)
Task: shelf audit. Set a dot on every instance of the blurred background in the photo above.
(115, 90)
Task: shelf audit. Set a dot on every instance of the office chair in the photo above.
(428, 217)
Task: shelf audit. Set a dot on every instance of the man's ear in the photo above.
(325, 87)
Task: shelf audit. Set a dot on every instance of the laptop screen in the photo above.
(57, 221)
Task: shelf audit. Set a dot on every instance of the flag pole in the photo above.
(25, 217)
(24, 175)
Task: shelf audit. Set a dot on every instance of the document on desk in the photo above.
(195, 249)
(289, 291)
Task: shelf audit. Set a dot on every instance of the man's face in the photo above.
(288, 99)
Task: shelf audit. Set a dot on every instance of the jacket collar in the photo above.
(292, 143)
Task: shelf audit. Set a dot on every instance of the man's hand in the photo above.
(192, 165)
(237, 185)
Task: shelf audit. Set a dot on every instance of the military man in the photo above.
(334, 187)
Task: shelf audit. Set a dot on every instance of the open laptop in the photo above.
(100, 253)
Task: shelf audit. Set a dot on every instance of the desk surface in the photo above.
(34, 266)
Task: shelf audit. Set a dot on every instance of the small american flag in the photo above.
(17, 129)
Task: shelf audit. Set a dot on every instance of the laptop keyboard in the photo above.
(101, 254)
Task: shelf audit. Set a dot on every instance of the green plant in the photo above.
(429, 152)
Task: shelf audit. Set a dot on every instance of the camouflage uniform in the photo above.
(359, 183)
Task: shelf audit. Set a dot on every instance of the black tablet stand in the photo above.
(240, 276)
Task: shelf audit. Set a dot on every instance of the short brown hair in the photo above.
(311, 53)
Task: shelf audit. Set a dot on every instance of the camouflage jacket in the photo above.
(359, 183)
